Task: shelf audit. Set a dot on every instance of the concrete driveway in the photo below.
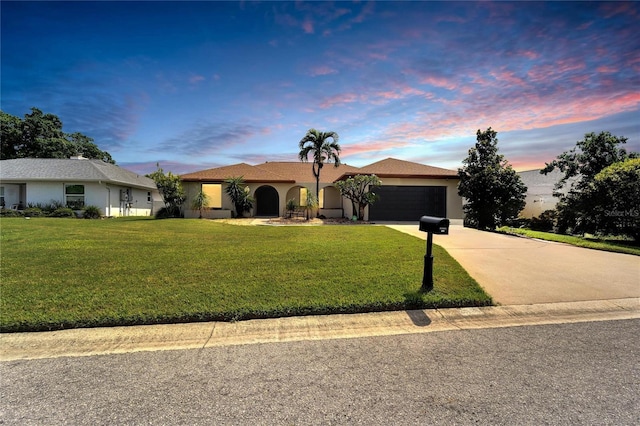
(517, 271)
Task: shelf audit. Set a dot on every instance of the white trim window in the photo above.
(74, 196)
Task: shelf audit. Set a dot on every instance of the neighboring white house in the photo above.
(76, 183)
(539, 197)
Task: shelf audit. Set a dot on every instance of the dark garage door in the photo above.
(409, 203)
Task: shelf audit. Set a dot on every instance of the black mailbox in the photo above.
(436, 225)
(431, 225)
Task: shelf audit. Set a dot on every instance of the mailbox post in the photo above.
(431, 225)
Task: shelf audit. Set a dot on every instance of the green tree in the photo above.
(493, 192)
(84, 145)
(40, 135)
(11, 137)
(199, 202)
(323, 147)
(580, 165)
(359, 189)
(171, 190)
(617, 189)
(236, 190)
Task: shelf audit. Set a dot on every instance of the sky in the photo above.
(197, 85)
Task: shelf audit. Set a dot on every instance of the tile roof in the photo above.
(301, 172)
(249, 173)
(392, 167)
(57, 169)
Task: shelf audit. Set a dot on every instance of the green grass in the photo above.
(617, 246)
(66, 273)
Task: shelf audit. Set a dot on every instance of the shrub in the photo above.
(10, 213)
(47, 208)
(33, 212)
(168, 212)
(545, 222)
(63, 212)
(91, 212)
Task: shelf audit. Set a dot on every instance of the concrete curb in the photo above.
(114, 340)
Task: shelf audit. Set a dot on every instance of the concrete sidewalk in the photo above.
(113, 340)
(516, 270)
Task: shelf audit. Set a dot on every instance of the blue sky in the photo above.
(195, 85)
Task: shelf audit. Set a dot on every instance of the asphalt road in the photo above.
(582, 373)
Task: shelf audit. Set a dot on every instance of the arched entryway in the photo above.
(267, 201)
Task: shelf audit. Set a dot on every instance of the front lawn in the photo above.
(65, 273)
(616, 246)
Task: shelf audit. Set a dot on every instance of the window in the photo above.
(74, 195)
(214, 194)
(149, 199)
(2, 196)
(303, 197)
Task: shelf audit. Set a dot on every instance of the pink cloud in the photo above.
(373, 146)
(550, 72)
(307, 26)
(508, 77)
(322, 70)
(343, 98)
(458, 119)
(611, 9)
(439, 82)
(529, 54)
(606, 69)
(400, 92)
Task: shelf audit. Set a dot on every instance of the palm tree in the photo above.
(324, 147)
(237, 191)
(200, 201)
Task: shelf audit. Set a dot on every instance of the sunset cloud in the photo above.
(412, 80)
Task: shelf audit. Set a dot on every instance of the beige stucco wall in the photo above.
(335, 205)
(285, 191)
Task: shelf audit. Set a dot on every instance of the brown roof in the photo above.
(248, 172)
(299, 172)
(392, 167)
(302, 172)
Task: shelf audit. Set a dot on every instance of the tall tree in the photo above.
(11, 137)
(40, 135)
(360, 190)
(493, 192)
(171, 190)
(617, 188)
(323, 147)
(580, 166)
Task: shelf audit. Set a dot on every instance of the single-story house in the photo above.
(408, 191)
(77, 182)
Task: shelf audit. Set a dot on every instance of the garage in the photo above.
(408, 203)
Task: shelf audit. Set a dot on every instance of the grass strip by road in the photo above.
(66, 273)
(616, 246)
